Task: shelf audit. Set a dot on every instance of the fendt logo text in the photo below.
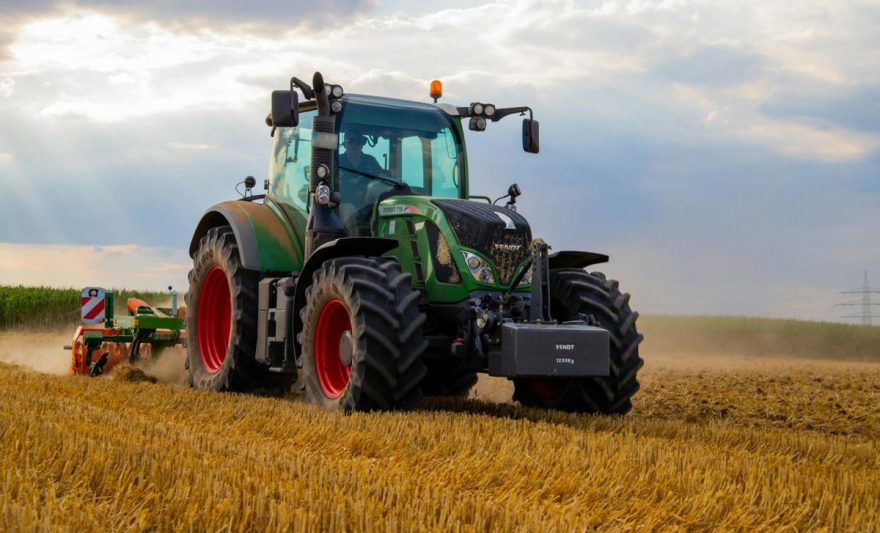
(565, 346)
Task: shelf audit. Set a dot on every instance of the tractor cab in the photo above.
(384, 147)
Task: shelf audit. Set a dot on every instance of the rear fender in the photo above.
(571, 259)
(265, 243)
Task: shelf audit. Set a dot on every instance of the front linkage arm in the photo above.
(539, 307)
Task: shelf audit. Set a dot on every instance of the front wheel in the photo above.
(573, 292)
(361, 339)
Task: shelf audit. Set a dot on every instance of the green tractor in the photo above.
(369, 276)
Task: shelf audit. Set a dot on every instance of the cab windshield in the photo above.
(388, 146)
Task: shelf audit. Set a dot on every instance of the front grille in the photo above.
(508, 251)
(487, 228)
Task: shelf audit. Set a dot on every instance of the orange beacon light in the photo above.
(436, 90)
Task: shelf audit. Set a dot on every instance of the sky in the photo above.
(726, 155)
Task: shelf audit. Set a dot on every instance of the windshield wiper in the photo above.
(392, 181)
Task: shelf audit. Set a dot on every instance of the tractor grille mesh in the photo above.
(486, 228)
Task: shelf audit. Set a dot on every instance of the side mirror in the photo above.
(530, 136)
(284, 108)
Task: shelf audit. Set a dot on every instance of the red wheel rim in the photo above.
(332, 372)
(213, 320)
(548, 390)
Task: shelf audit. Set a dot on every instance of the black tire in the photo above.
(216, 360)
(443, 381)
(362, 340)
(574, 292)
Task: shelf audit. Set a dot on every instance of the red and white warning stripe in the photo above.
(92, 305)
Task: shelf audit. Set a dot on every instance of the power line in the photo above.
(864, 301)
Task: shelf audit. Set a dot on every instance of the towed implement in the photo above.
(368, 274)
(104, 341)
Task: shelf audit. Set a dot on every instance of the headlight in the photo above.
(480, 269)
(489, 110)
(477, 109)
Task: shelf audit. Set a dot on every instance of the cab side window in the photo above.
(291, 159)
(412, 151)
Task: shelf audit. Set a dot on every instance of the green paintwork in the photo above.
(418, 209)
(158, 322)
(294, 225)
(465, 172)
(277, 246)
(294, 221)
(108, 308)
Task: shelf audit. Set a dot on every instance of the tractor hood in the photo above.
(500, 234)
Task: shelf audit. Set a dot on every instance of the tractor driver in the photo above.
(353, 185)
(354, 157)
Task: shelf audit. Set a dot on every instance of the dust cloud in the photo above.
(492, 389)
(43, 352)
(751, 336)
(168, 367)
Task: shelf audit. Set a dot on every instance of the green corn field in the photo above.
(53, 309)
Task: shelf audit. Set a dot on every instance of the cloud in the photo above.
(854, 107)
(741, 113)
(282, 15)
(681, 136)
(7, 87)
(191, 146)
(97, 65)
(714, 65)
(126, 266)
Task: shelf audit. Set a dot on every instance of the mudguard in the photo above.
(571, 259)
(343, 247)
(265, 242)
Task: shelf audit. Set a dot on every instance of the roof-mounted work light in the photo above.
(477, 124)
(477, 109)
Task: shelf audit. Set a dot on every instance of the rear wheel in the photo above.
(361, 338)
(221, 320)
(574, 292)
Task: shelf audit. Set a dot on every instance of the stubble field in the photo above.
(731, 441)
